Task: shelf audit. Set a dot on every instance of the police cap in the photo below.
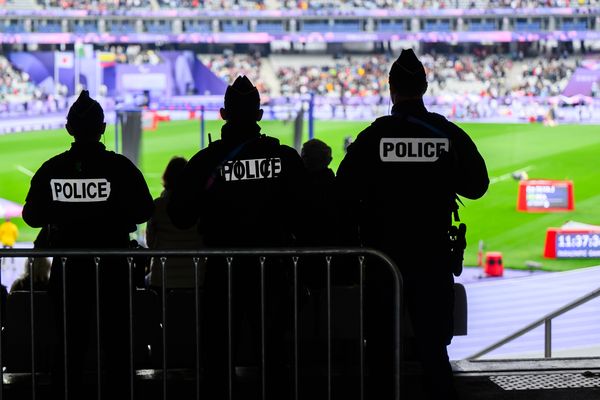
(85, 116)
(407, 75)
(242, 99)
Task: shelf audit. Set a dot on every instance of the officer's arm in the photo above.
(37, 203)
(295, 187)
(151, 232)
(350, 181)
(471, 178)
(140, 200)
(184, 203)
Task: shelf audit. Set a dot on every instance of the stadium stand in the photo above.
(18, 95)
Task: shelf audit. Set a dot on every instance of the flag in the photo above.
(107, 59)
(63, 59)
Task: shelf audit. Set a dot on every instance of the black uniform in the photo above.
(400, 178)
(89, 197)
(244, 191)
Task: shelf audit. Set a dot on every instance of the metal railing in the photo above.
(196, 256)
(546, 320)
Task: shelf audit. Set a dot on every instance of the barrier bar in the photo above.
(295, 261)
(32, 325)
(131, 360)
(229, 329)
(328, 260)
(98, 330)
(263, 342)
(64, 306)
(163, 261)
(196, 260)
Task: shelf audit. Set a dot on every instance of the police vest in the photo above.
(414, 149)
(80, 190)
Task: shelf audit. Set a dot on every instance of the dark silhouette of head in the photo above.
(85, 120)
(242, 102)
(173, 172)
(407, 77)
(316, 155)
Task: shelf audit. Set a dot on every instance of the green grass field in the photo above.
(563, 152)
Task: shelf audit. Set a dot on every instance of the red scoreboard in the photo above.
(545, 196)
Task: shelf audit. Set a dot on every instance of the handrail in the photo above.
(546, 320)
(267, 251)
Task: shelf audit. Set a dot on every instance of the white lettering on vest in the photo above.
(260, 168)
(80, 190)
(412, 149)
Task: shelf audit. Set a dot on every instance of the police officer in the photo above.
(401, 177)
(243, 191)
(88, 197)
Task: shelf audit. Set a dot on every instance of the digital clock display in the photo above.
(578, 245)
(547, 197)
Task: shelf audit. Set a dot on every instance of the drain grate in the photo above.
(546, 381)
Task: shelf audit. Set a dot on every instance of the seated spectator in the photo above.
(162, 234)
(41, 274)
(39, 267)
(320, 194)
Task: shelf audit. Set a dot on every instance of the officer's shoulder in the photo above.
(119, 158)
(381, 122)
(269, 140)
(54, 161)
(443, 123)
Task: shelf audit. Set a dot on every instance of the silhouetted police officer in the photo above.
(401, 177)
(89, 197)
(243, 191)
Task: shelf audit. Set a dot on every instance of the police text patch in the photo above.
(80, 190)
(260, 168)
(412, 149)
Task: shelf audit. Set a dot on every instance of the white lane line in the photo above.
(504, 177)
(24, 170)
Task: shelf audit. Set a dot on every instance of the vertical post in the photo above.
(196, 261)
(398, 286)
(1, 341)
(548, 338)
(32, 322)
(296, 361)
(311, 116)
(202, 128)
(117, 130)
(361, 323)
(263, 342)
(131, 360)
(64, 310)
(229, 329)
(329, 357)
(163, 261)
(98, 331)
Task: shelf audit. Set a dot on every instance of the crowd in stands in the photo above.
(363, 76)
(96, 5)
(228, 66)
(489, 76)
(102, 5)
(18, 94)
(135, 55)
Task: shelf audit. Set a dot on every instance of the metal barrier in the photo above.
(196, 255)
